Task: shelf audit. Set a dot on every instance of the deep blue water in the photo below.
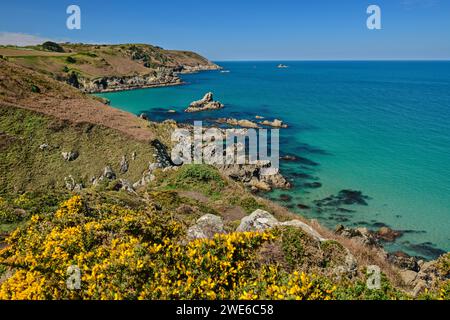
(382, 128)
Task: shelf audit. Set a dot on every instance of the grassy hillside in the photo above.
(82, 65)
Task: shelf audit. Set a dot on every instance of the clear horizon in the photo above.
(249, 30)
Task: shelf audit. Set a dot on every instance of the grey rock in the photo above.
(44, 146)
(206, 103)
(206, 227)
(306, 228)
(108, 173)
(123, 165)
(275, 123)
(71, 185)
(257, 221)
(70, 156)
(126, 186)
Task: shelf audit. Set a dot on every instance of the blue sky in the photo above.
(245, 29)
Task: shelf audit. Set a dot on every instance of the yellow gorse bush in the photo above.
(128, 254)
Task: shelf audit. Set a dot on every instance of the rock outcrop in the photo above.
(251, 175)
(71, 185)
(261, 220)
(160, 78)
(206, 227)
(70, 155)
(238, 123)
(275, 123)
(206, 103)
(123, 165)
(362, 235)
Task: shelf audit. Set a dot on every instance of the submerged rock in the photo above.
(387, 234)
(344, 197)
(312, 185)
(285, 197)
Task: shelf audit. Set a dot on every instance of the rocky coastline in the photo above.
(163, 77)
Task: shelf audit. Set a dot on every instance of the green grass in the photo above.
(249, 204)
(197, 177)
(25, 167)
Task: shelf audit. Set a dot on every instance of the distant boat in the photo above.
(282, 66)
(225, 71)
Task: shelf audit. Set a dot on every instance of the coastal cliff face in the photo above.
(106, 68)
(159, 78)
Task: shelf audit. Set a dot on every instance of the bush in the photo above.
(198, 177)
(35, 89)
(52, 46)
(292, 246)
(7, 214)
(71, 60)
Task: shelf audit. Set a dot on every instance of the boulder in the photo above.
(108, 173)
(261, 220)
(306, 228)
(71, 185)
(44, 146)
(408, 277)
(123, 165)
(206, 227)
(257, 221)
(70, 156)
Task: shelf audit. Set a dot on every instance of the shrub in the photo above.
(35, 89)
(202, 178)
(292, 246)
(52, 46)
(7, 214)
(71, 60)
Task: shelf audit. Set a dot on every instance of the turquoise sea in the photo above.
(382, 128)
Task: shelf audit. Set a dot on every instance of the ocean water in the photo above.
(382, 128)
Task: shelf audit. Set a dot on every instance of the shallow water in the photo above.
(382, 128)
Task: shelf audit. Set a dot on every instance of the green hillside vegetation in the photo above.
(96, 61)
